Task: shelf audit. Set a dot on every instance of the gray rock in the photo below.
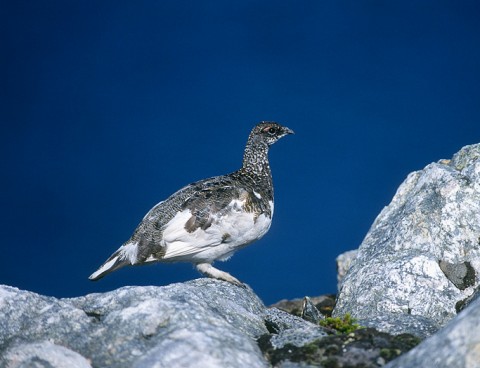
(457, 345)
(462, 275)
(344, 262)
(205, 321)
(203, 347)
(288, 329)
(422, 255)
(310, 312)
(42, 355)
(401, 324)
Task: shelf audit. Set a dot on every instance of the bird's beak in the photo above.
(288, 130)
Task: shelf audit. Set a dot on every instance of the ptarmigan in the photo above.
(210, 219)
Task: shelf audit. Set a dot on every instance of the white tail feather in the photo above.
(105, 268)
(126, 254)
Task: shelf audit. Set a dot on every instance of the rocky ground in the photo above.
(411, 289)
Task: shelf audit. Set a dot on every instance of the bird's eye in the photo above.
(272, 130)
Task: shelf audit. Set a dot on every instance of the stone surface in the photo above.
(398, 323)
(42, 355)
(310, 312)
(199, 323)
(457, 345)
(422, 254)
(462, 275)
(286, 329)
(344, 262)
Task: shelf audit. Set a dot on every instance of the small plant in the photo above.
(343, 325)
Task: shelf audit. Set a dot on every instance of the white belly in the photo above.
(218, 242)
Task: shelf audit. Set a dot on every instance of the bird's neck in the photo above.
(255, 161)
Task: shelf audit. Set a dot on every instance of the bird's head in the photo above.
(268, 132)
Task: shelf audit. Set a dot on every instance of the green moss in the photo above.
(309, 354)
(343, 325)
(406, 341)
(310, 348)
(361, 348)
(331, 363)
(389, 354)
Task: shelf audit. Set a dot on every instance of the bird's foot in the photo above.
(214, 273)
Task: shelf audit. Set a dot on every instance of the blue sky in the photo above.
(109, 107)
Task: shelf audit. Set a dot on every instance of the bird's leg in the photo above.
(208, 270)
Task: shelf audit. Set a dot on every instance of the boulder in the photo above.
(201, 323)
(204, 322)
(421, 257)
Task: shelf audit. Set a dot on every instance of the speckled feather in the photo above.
(209, 219)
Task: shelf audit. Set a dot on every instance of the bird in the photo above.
(210, 219)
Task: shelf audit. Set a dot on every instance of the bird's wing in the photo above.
(172, 222)
(204, 220)
(208, 204)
